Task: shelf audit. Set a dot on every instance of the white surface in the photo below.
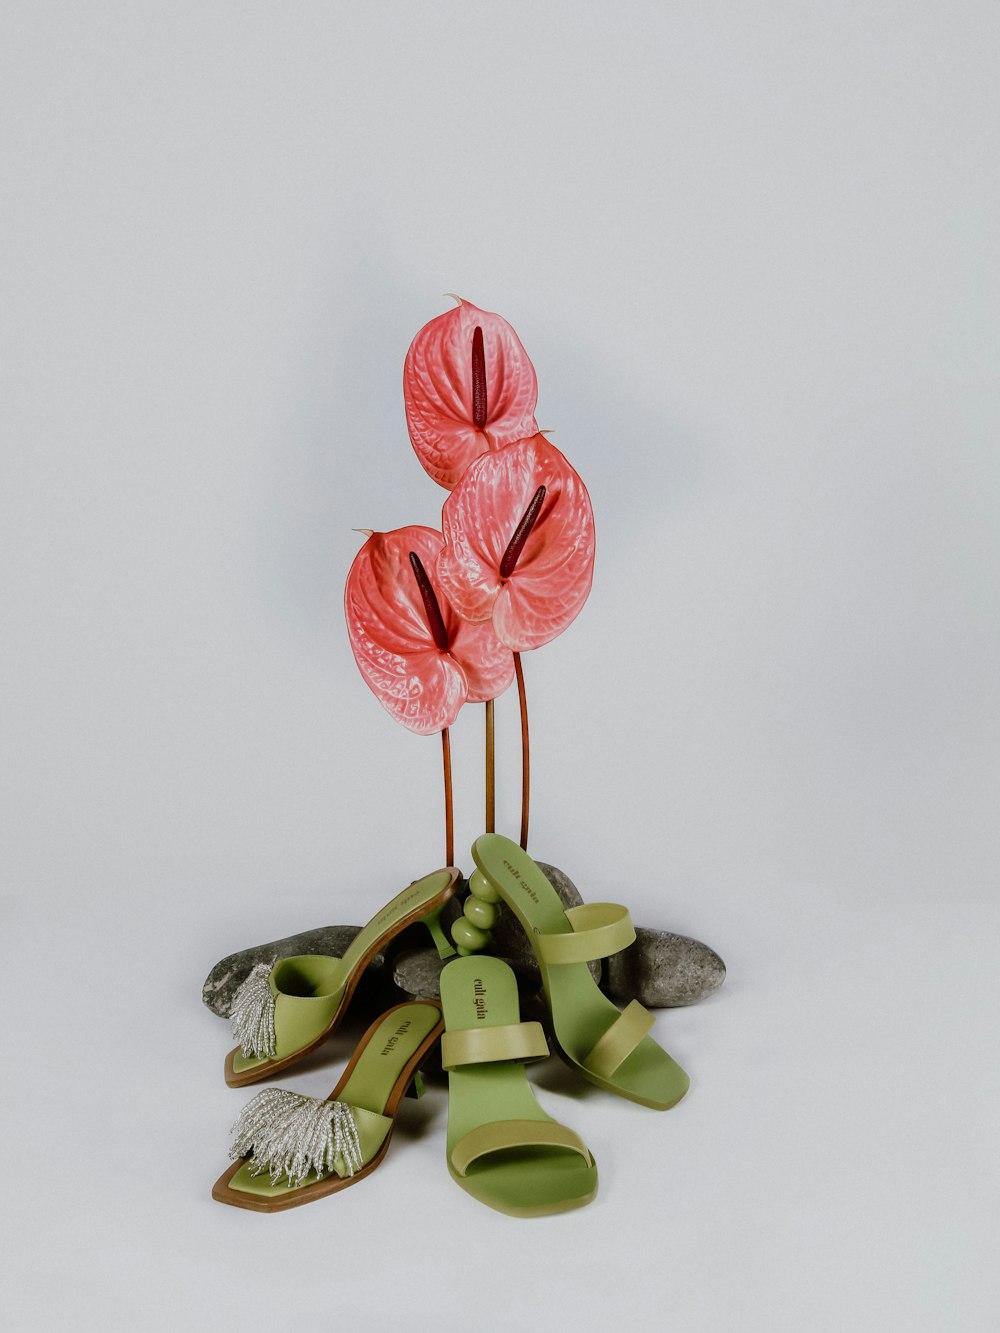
(751, 249)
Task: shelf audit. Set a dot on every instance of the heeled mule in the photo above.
(283, 1012)
(291, 1149)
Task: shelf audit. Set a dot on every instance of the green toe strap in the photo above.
(599, 930)
(292, 1139)
(620, 1040)
(372, 1130)
(299, 1019)
(486, 1139)
(507, 1041)
(306, 992)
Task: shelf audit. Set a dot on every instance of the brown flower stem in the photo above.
(449, 818)
(525, 752)
(491, 804)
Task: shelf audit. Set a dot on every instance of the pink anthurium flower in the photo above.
(421, 660)
(468, 387)
(519, 543)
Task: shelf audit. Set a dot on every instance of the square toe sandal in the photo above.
(291, 1149)
(502, 1147)
(607, 1046)
(281, 1013)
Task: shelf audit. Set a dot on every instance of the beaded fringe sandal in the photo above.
(606, 1046)
(283, 1012)
(291, 1149)
(502, 1147)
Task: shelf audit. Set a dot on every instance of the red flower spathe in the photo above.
(457, 409)
(420, 684)
(553, 574)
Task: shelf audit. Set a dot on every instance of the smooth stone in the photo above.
(663, 970)
(229, 973)
(418, 973)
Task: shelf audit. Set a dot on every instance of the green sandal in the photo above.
(608, 1047)
(502, 1147)
(293, 1149)
(281, 1013)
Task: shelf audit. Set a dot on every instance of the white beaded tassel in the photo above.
(290, 1135)
(252, 1015)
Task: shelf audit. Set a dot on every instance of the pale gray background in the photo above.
(751, 249)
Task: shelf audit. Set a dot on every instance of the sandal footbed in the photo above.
(523, 1181)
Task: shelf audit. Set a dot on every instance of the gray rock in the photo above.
(563, 885)
(228, 975)
(660, 970)
(418, 973)
(664, 971)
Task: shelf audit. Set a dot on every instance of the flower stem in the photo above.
(449, 818)
(491, 804)
(525, 753)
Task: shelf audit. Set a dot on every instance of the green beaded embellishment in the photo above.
(471, 932)
(483, 915)
(481, 888)
(468, 937)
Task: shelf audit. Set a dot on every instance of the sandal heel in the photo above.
(417, 1087)
(442, 943)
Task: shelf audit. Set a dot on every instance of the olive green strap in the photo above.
(299, 1019)
(372, 1131)
(505, 1041)
(599, 929)
(620, 1040)
(502, 1134)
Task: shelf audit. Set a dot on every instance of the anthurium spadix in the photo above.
(468, 388)
(421, 660)
(519, 543)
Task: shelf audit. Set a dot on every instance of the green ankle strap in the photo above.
(599, 929)
(502, 1134)
(507, 1041)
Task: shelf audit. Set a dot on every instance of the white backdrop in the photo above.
(751, 249)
